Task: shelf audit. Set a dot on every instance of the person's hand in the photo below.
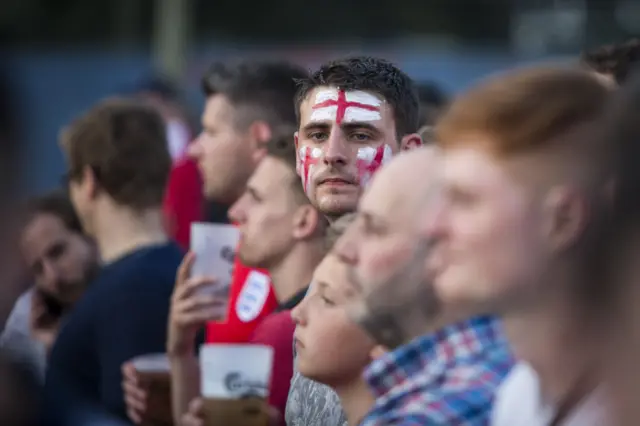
(135, 394)
(194, 415)
(43, 324)
(191, 308)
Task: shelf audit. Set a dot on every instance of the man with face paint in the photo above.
(354, 114)
(442, 367)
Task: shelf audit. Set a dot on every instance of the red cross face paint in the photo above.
(345, 107)
(368, 161)
(308, 159)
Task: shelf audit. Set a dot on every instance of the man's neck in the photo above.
(293, 274)
(356, 400)
(559, 341)
(119, 231)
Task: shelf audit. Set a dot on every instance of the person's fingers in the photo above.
(200, 317)
(134, 416)
(199, 302)
(194, 286)
(275, 418)
(196, 406)
(134, 396)
(189, 419)
(184, 270)
(129, 372)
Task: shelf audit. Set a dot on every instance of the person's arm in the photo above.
(185, 384)
(133, 323)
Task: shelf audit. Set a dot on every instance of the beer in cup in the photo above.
(235, 383)
(154, 372)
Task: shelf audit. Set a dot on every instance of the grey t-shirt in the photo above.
(312, 404)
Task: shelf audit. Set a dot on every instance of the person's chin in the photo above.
(338, 204)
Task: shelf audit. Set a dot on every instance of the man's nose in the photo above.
(50, 276)
(194, 149)
(336, 149)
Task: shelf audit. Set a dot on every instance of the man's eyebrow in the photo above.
(316, 125)
(359, 125)
(253, 192)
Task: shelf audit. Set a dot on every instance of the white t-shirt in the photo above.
(518, 403)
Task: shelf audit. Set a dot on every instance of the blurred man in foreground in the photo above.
(442, 366)
(519, 226)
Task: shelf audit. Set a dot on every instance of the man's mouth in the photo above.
(335, 181)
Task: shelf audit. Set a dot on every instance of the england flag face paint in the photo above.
(333, 105)
(349, 107)
(370, 160)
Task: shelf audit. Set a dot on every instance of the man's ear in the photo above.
(410, 141)
(90, 182)
(260, 133)
(305, 222)
(565, 217)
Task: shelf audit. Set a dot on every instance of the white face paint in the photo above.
(308, 158)
(339, 106)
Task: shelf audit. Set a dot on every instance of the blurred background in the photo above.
(60, 56)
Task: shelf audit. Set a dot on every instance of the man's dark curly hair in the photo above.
(373, 75)
(616, 60)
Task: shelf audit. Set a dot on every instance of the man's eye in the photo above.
(360, 137)
(327, 301)
(318, 136)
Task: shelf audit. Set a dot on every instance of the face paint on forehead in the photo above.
(308, 158)
(369, 160)
(340, 106)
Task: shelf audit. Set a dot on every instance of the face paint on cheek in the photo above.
(308, 157)
(370, 160)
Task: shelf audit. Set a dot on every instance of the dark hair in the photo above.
(56, 203)
(432, 100)
(373, 75)
(266, 87)
(124, 143)
(282, 147)
(617, 60)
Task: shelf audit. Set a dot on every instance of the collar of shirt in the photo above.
(431, 355)
(293, 301)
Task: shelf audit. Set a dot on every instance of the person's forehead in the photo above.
(272, 175)
(397, 188)
(330, 270)
(323, 94)
(473, 166)
(217, 107)
(42, 230)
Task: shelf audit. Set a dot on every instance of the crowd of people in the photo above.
(428, 261)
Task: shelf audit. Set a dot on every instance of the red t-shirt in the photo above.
(183, 200)
(277, 331)
(251, 300)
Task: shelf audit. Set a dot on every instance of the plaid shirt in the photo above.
(446, 378)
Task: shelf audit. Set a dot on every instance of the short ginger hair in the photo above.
(523, 111)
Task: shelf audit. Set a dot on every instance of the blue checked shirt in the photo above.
(446, 378)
